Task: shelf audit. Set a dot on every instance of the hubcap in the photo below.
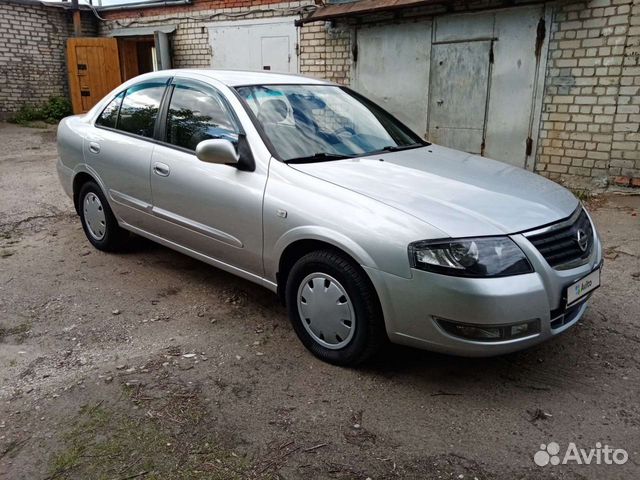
(326, 311)
(94, 216)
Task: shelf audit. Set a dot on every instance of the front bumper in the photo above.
(410, 305)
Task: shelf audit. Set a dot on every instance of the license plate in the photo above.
(582, 287)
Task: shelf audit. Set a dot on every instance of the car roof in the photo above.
(234, 78)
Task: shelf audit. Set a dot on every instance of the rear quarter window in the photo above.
(109, 116)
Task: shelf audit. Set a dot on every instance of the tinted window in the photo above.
(140, 108)
(196, 115)
(109, 116)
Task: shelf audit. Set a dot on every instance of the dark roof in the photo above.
(337, 10)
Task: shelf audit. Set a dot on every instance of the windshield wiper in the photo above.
(398, 148)
(318, 157)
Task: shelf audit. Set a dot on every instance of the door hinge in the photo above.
(529, 147)
(354, 52)
(297, 49)
(491, 58)
(540, 36)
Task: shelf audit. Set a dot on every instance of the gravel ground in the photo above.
(149, 364)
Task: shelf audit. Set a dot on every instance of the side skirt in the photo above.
(203, 258)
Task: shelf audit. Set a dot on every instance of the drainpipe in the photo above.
(77, 21)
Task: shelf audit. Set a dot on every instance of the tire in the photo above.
(326, 277)
(98, 222)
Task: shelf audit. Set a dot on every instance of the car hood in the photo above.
(458, 193)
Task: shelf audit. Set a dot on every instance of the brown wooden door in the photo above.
(94, 70)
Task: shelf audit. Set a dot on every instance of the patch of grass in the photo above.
(53, 111)
(163, 444)
(20, 330)
(581, 194)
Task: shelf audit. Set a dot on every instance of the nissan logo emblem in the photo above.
(582, 239)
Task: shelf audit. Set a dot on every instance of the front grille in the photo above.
(559, 245)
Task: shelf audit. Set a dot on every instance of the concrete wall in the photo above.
(33, 53)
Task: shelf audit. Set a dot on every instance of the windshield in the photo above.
(320, 122)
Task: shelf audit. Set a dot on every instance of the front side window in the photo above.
(109, 116)
(140, 108)
(315, 122)
(197, 114)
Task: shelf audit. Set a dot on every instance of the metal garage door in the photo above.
(459, 87)
(263, 44)
(392, 68)
(466, 81)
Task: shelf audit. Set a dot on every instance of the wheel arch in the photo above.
(82, 174)
(78, 181)
(295, 249)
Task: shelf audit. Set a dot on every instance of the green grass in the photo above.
(20, 330)
(582, 195)
(110, 443)
(54, 110)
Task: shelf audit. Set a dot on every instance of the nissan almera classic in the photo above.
(367, 232)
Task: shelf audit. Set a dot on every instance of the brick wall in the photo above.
(591, 113)
(32, 53)
(325, 51)
(190, 42)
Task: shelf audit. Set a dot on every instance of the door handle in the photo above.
(161, 169)
(94, 147)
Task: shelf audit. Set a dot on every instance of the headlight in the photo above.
(470, 257)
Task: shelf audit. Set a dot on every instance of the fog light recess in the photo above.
(489, 333)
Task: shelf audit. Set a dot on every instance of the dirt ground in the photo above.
(149, 364)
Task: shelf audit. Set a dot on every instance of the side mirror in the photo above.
(217, 150)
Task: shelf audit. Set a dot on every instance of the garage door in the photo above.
(264, 44)
(466, 81)
(392, 69)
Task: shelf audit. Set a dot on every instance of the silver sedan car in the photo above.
(367, 232)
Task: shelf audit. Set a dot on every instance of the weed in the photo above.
(53, 111)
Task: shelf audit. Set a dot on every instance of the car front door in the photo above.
(212, 209)
(119, 150)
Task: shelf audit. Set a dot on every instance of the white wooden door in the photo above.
(263, 44)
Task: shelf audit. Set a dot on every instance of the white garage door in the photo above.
(263, 44)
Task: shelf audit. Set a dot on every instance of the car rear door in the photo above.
(120, 146)
(212, 209)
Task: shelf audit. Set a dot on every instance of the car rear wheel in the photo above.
(99, 224)
(334, 309)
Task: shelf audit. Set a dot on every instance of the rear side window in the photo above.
(109, 116)
(197, 114)
(139, 108)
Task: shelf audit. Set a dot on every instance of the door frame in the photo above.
(261, 21)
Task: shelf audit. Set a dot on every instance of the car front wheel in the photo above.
(334, 309)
